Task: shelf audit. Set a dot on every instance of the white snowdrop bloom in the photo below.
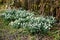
(49, 25)
(40, 24)
(30, 17)
(15, 21)
(19, 18)
(27, 17)
(17, 15)
(48, 20)
(37, 18)
(11, 23)
(2, 14)
(18, 23)
(31, 25)
(43, 19)
(49, 28)
(45, 24)
(46, 27)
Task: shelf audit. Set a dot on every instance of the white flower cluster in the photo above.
(25, 19)
(34, 24)
(16, 14)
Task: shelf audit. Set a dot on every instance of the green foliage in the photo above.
(16, 14)
(27, 20)
(55, 34)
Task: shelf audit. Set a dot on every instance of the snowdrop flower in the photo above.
(48, 20)
(49, 25)
(11, 23)
(49, 28)
(18, 23)
(46, 27)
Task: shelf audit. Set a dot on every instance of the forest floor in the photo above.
(9, 33)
